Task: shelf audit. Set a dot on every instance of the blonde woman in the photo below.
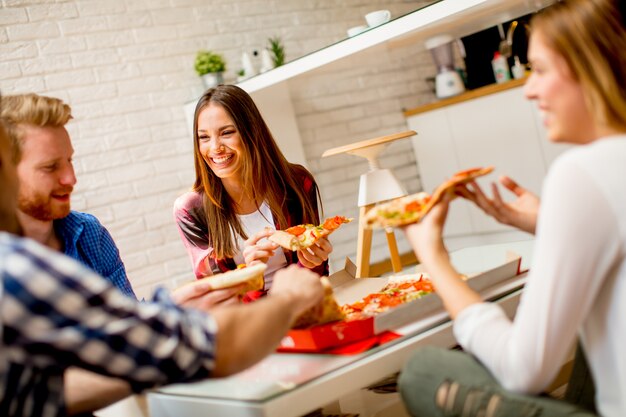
(577, 281)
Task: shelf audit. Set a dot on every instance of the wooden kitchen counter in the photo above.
(468, 95)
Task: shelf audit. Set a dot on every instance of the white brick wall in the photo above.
(126, 68)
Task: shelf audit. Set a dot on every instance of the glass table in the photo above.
(289, 385)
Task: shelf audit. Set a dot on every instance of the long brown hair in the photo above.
(266, 174)
(591, 37)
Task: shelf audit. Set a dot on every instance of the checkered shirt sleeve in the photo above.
(55, 313)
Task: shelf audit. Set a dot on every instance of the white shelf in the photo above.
(456, 17)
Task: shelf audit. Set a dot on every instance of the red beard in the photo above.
(43, 208)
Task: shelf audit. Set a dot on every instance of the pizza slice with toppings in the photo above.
(305, 235)
(400, 211)
(328, 310)
(411, 209)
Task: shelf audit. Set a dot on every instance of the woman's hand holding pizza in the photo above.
(426, 236)
(255, 251)
(202, 296)
(521, 213)
(315, 254)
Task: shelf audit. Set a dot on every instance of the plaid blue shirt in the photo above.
(87, 241)
(55, 313)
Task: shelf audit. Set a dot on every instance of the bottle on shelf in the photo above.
(248, 68)
(500, 68)
(518, 69)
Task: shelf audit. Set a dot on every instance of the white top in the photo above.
(253, 223)
(576, 285)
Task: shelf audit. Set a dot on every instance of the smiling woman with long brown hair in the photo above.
(244, 187)
(576, 286)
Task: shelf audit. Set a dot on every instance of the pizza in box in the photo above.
(399, 289)
(332, 325)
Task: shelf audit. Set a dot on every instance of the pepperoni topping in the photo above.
(296, 230)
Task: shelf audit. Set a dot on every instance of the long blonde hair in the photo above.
(266, 174)
(591, 37)
(34, 110)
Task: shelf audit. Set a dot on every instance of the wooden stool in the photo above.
(375, 186)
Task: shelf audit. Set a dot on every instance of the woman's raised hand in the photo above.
(520, 213)
(315, 254)
(255, 251)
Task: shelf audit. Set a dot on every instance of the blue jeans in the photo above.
(440, 382)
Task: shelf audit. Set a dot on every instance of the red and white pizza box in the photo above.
(349, 289)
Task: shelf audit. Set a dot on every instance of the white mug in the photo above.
(378, 17)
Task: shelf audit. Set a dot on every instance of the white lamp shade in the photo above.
(379, 185)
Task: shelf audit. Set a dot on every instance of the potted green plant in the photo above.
(210, 66)
(241, 75)
(277, 49)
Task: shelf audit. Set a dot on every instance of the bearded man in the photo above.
(43, 152)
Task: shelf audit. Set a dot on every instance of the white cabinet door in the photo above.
(498, 130)
(437, 159)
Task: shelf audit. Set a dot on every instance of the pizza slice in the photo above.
(328, 310)
(400, 211)
(409, 287)
(410, 209)
(304, 235)
(250, 278)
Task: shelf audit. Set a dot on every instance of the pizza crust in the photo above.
(251, 276)
(284, 239)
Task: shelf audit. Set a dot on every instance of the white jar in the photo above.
(518, 69)
(500, 68)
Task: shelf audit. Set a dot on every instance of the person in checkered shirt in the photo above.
(55, 313)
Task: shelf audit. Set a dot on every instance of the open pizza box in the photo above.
(490, 283)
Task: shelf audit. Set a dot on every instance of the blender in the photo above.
(448, 82)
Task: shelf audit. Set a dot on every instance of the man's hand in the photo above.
(86, 391)
(315, 254)
(201, 296)
(249, 332)
(521, 213)
(255, 251)
(301, 285)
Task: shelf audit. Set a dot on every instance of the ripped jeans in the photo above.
(446, 383)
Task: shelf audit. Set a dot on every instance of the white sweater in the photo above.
(576, 284)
